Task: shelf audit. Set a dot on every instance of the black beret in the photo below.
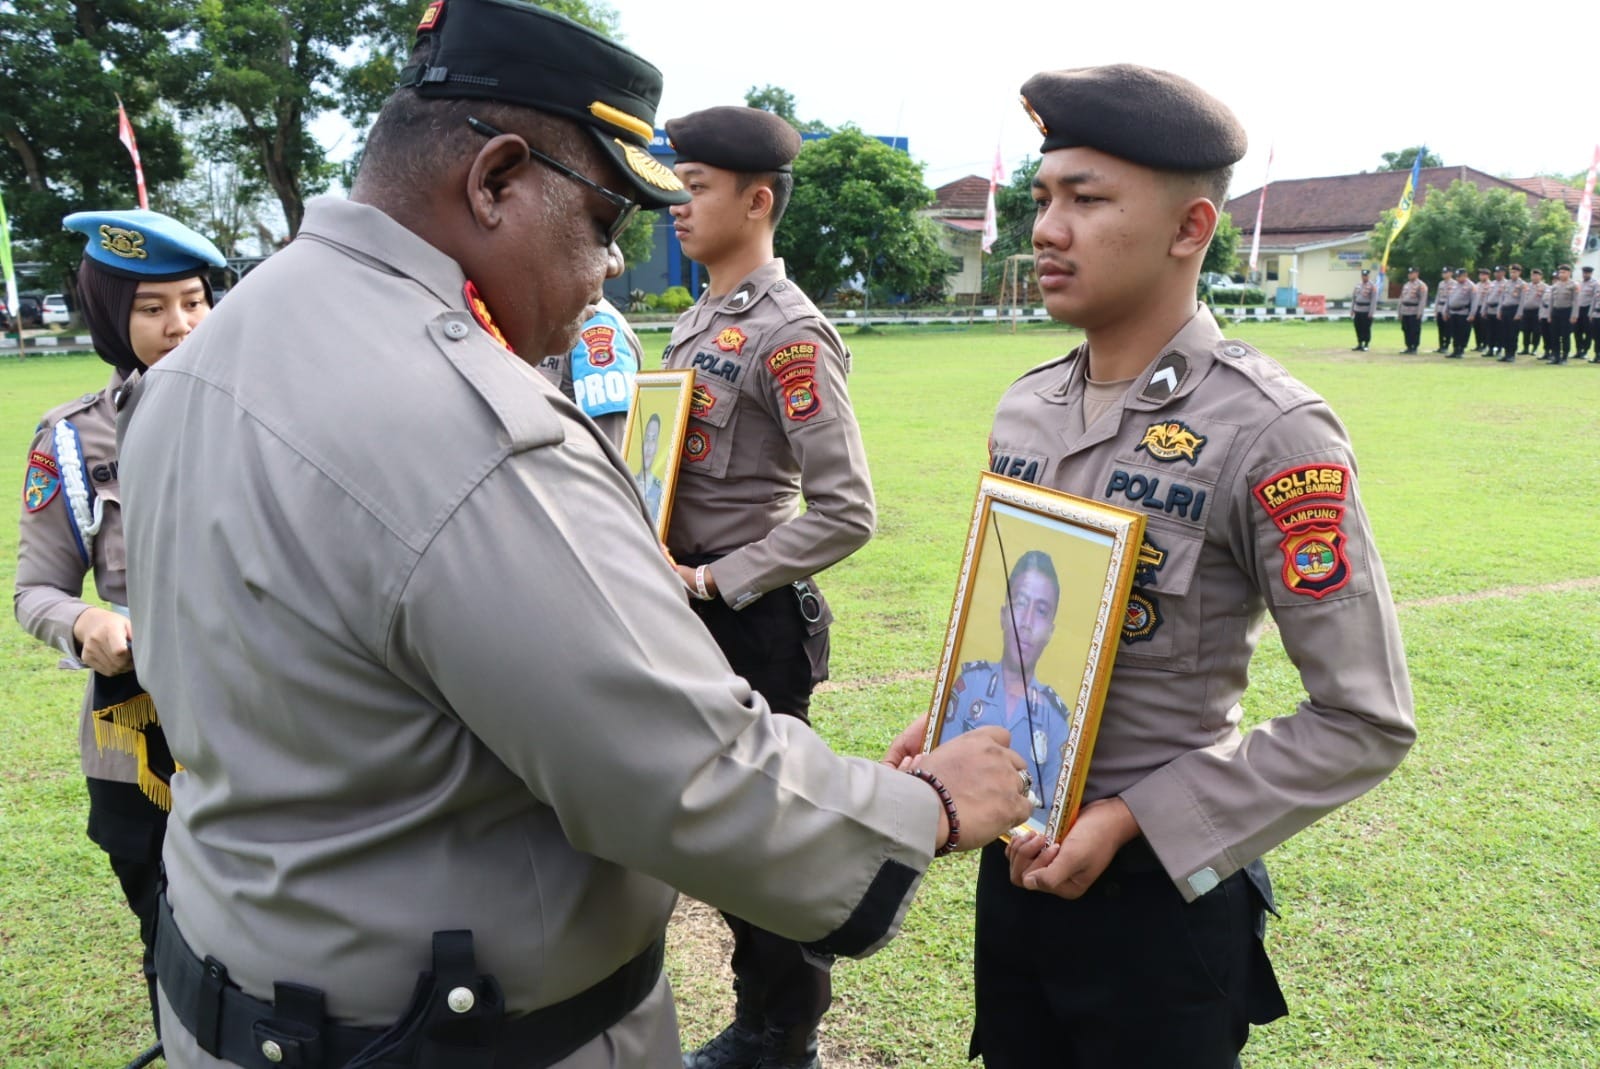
(512, 52)
(1145, 116)
(1587, 269)
(1365, 272)
(735, 138)
(1413, 270)
(1564, 267)
(1461, 271)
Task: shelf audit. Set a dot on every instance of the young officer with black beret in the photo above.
(770, 427)
(1136, 943)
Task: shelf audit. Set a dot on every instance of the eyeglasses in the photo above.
(626, 209)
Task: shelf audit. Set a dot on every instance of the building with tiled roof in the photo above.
(958, 208)
(1315, 231)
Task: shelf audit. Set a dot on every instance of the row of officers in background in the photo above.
(1552, 319)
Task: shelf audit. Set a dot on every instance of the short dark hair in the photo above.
(780, 182)
(1036, 560)
(1212, 185)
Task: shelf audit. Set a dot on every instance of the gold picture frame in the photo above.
(1056, 571)
(661, 398)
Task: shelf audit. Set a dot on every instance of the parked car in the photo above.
(30, 312)
(53, 311)
(1217, 282)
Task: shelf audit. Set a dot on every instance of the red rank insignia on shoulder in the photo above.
(480, 312)
(599, 340)
(1307, 504)
(731, 340)
(430, 17)
(42, 483)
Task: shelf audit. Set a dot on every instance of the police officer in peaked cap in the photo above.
(450, 735)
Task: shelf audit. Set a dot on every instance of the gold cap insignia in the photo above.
(621, 119)
(120, 241)
(648, 167)
(1044, 131)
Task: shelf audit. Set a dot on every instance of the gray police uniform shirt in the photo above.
(1248, 485)
(1364, 298)
(426, 667)
(51, 558)
(1038, 722)
(770, 427)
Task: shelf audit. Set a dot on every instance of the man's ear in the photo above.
(758, 202)
(490, 176)
(1196, 224)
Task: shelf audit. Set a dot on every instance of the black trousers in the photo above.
(1506, 332)
(1580, 332)
(1560, 331)
(1363, 327)
(1442, 325)
(1532, 330)
(1411, 328)
(1460, 333)
(1127, 977)
(783, 655)
(1480, 330)
(130, 828)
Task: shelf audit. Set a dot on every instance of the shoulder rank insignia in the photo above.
(1170, 441)
(1143, 618)
(480, 312)
(731, 340)
(741, 297)
(1167, 378)
(42, 482)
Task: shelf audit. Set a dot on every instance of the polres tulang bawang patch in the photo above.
(1307, 503)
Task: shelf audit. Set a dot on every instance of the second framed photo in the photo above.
(1039, 606)
(652, 444)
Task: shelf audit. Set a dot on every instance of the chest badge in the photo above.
(1171, 441)
(731, 340)
(1143, 618)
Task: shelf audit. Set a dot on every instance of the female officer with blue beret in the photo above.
(144, 286)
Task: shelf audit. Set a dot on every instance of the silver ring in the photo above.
(1027, 780)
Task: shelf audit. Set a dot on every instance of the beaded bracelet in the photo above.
(700, 584)
(949, 809)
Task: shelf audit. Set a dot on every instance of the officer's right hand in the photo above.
(980, 770)
(103, 637)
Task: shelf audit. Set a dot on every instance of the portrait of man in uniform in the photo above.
(1055, 573)
(653, 442)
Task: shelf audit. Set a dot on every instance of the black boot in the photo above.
(789, 1048)
(737, 1046)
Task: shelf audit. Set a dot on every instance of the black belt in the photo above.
(235, 1027)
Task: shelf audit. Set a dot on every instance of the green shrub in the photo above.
(675, 299)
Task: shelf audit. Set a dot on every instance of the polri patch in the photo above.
(1172, 440)
(42, 483)
(799, 354)
(1314, 562)
(1143, 618)
(696, 445)
(600, 341)
(800, 400)
(731, 340)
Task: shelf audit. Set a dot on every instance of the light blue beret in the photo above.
(143, 244)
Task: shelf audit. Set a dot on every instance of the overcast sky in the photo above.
(1319, 82)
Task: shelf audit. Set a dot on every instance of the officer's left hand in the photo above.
(907, 744)
(1070, 868)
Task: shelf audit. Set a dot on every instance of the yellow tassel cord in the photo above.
(120, 727)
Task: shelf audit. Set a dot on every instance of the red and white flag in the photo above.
(1261, 203)
(125, 135)
(1580, 239)
(991, 221)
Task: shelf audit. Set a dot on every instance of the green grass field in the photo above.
(1450, 918)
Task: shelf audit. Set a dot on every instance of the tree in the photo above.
(855, 213)
(1464, 226)
(780, 102)
(219, 198)
(1223, 253)
(280, 65)
(1013, 212)
(1402, 160)
(62, 66)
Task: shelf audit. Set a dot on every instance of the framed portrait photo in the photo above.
(652, 442)
(1039, 607)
